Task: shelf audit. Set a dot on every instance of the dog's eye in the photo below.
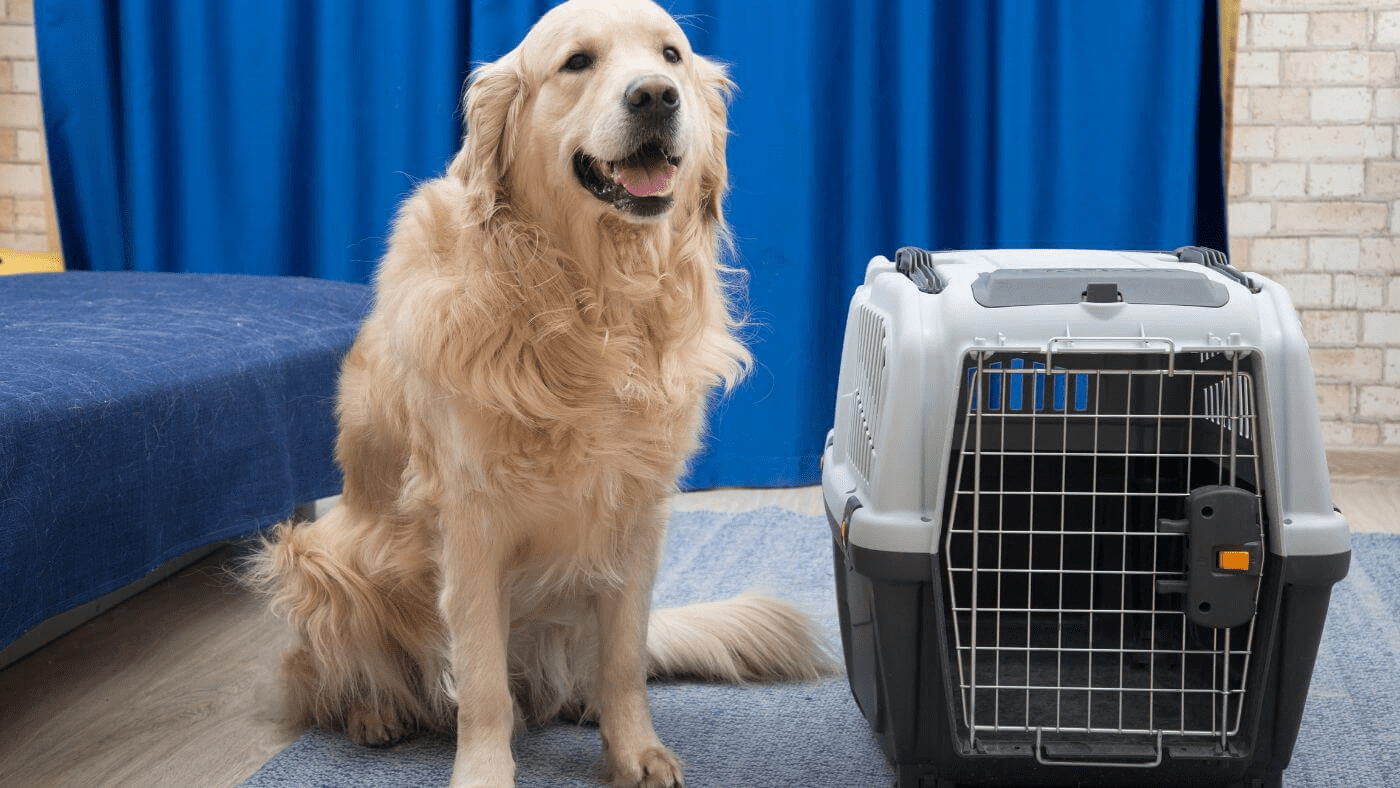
(578, 62)
(671, 54)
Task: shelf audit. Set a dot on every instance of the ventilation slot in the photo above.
(860, 446)
(870, 383)
(1229, 404)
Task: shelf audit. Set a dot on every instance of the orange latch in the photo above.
(1234, 561)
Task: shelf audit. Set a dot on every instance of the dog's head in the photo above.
(603, 108)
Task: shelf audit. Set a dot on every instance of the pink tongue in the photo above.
(641, 182)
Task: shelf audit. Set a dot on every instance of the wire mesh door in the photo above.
(1056, 555)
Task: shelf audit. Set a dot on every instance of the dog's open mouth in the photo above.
(640, 184)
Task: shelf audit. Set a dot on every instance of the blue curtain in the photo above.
(276, 138)
(261, 137)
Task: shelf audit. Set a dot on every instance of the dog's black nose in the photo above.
(653, 98)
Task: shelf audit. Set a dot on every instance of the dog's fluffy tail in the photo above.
(365, 656)
(751, 637)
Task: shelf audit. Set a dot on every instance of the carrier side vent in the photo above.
(1229, 404)
(860, 446)
(871, 361)
(869, 397)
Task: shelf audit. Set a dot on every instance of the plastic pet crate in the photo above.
(1082, 524)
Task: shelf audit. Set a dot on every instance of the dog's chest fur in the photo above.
(623, 407)
(601, 373)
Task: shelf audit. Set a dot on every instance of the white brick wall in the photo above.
(1315, 193)
(26, 219)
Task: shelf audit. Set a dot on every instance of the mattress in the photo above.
(143, 415)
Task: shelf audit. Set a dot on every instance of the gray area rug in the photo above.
(811, 734)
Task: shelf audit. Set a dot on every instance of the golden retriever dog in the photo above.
(549, 322)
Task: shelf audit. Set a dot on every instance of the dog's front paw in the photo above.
(372, 728)
(653, 767)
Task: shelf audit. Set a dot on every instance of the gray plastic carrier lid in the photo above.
(1041, 286)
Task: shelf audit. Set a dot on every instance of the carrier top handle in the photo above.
(1224, 556)
(1216, 261)
(917, 264)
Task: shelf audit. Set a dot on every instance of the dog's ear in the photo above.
(494, 95)
(716, 90)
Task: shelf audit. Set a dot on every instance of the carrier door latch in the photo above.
(852, 504)
(1224, 555)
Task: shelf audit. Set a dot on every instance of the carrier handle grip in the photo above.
(1216, 261)
(1125, 344)
(917, 264)
(1043, 758)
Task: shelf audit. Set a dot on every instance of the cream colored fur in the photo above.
(513, 417)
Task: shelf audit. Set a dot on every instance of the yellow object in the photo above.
(1229, 52)
(1234, 561)
(13, 261)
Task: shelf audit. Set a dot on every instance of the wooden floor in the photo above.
(173, 687)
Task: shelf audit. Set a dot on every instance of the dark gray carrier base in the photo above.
(895, 637)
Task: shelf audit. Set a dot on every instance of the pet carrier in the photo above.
(1082, 526)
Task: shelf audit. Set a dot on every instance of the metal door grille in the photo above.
(1060, 477)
